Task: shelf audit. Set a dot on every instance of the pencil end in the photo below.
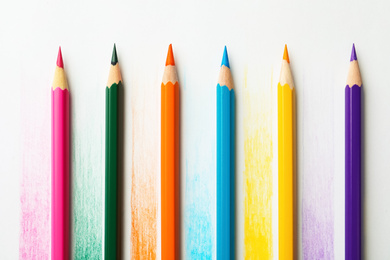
(225, 58)
(285, 54)
(60, 62)
(170, 59)
(114, 58)
(353, 53)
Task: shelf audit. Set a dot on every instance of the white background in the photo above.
(319, 36)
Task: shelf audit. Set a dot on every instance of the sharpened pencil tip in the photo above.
(353, 53)
(60, 63)
(170, 59)
(225, 58)
(285, 54)
(114, 58)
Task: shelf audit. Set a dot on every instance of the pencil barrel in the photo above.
(225, 172)
(286, 167)
(353, 172)
(111, 173)
(60, 174)
(169, 170)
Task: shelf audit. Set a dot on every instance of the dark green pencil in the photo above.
(111, 188)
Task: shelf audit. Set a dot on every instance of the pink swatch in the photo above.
(34, 240)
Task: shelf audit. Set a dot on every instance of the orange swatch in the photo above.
(143, 193)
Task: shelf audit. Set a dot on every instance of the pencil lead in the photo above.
(170, 59)
(60, 63)
(285, 54)
(353, 53)
(114, 58)
(225, 58)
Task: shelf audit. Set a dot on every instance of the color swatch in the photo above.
(199, 190)
(318, 166)
(258, 149)
(145, 176)
(35, 228)
(87, 170)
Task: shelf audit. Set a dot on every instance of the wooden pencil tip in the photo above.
(114, 58)
(285, 54)
(225, 58)
(353, 53)
(60, 63)
(170, 59)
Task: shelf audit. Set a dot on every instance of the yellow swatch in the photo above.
(258, 174)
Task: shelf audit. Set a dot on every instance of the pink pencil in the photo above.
(60, 164)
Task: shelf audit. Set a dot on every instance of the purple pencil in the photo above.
(353, 160)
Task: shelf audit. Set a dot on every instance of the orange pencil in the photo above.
(169, 160)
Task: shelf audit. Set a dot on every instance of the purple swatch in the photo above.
(318, 209)
(318, 172)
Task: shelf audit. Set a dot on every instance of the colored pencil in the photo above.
(111, 183)
(225, 161)
(353, 160)
(286, 158)
(169, 159)
(60, 164)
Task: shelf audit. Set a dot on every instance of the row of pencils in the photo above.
(170, 157)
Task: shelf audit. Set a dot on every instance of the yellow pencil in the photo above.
(286, 158)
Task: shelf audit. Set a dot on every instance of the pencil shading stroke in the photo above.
(143, 189)
(258, 174)
(199, 235)
(35, 228)
(86, 181)
(318, 169)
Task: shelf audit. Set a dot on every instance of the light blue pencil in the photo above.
(225, 162)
